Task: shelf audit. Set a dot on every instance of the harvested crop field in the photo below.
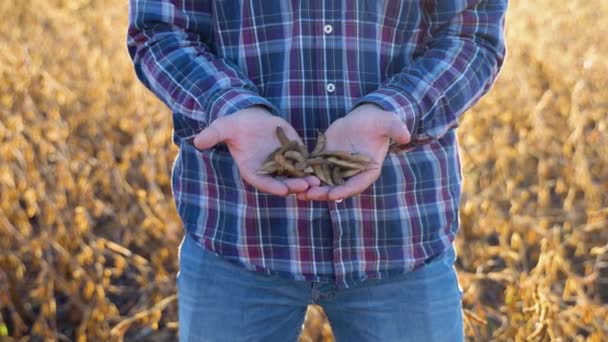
(89, 232)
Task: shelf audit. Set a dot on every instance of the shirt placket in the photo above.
(328, 30)
(329, 88)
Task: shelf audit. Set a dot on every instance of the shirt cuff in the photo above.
(234, 99)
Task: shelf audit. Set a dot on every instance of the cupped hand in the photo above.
(368, 130)
(250, 135)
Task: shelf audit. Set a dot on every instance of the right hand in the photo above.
(250, 135)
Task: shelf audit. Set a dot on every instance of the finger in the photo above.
(296, 185)
(354, 186)
(312, 181)
(397, 131)
(267, 184)
(316, 193)
(208, 137)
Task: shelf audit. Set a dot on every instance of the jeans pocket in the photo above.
(193, 261)
(439, 276)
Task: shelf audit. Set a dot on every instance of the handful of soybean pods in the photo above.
(292, 159)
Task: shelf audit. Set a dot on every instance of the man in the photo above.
(376, 253)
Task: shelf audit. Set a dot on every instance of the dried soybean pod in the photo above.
(343, 163)
(292, 171)
(300, 173)
(271, 155)
(336, 176)
(326, 169)
(317, 171)
(295, 156)
(337, 154)
(320, 173)
(288, 147)
(268, 168)
(360, 158)
(301, 166)
(281, 151)
(280, 160)
(281, 136)
(317, 161)
(351, 172)
(303, 151)
(320, 145)
(309, 170)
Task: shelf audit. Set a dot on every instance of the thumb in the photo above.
(208, 137)
(398, 131)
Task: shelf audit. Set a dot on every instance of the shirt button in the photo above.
(328, 29)
(330, 87)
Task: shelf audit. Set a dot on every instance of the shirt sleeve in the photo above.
(463, 56)
(170, 45)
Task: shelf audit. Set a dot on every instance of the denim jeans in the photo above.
(220, 301)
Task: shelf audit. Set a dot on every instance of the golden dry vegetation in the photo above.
(89, 233)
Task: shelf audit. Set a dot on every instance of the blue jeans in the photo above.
(220, 301)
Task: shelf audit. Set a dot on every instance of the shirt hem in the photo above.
(342, 283)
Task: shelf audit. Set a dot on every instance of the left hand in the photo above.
(368, 130)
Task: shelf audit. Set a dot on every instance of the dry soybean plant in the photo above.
(89, 231)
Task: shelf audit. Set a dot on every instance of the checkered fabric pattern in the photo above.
(311, 62)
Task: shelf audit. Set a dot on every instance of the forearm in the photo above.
(463, 57)
(168, 44)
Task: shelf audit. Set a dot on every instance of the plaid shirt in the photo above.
(311, 62)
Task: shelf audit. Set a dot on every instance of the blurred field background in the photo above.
(89, 232)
